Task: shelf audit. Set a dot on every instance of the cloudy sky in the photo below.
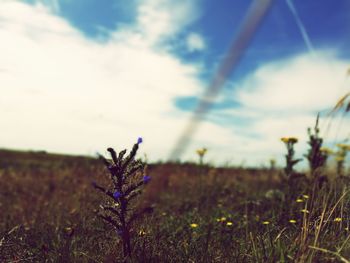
(77, 76)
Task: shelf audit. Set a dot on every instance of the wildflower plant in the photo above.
(340, 157)
(272, 164)
(201, 153)
(316, 156)
(290, 161)
(127, 176)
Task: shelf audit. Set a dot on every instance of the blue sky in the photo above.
(156, 57)
(327, 23)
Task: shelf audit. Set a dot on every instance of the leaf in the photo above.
(100, 188)
(113, 155)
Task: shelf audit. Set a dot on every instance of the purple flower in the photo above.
(139, 140)
(117, 195)
(146, 179)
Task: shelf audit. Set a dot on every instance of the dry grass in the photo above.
(48, 204)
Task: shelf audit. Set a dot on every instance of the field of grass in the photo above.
(48, 210)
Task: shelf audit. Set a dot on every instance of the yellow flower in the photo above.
(344, 147)
(202, 152)
(337, 219)
(222, 219)
(304, 211)
(306, 196)
(193, 225)
(299, 200)
(142, 232)
(293, 140)
(265, 222)
(284, 139)
(326, 150)
(229, 223)
(292, 221)
(289, 139)
(339, 158)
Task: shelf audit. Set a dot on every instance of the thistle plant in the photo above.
(127, 176)
(201, 153)
(315, 155)
(290, 161)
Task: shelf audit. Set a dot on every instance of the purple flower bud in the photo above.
(117, 195)
(146, 179)
(139, 140)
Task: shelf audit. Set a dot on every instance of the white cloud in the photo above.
(195, 42)
(159, 19)
(54, 5)
(281, 98)
(301, 83)
(70, 94)
(65, 93)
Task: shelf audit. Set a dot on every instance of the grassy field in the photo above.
(49, 207)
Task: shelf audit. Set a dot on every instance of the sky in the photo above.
(78, 76)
